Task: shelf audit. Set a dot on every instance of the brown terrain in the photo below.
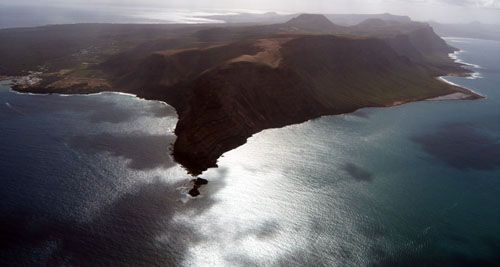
(228, 83)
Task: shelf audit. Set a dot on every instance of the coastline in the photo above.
(460, 93)
(457, 95)
(196, 154)
(454, 96)
(22, 92)
(455, 58)
(467, 74)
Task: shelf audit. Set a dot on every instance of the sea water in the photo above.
(88, 180)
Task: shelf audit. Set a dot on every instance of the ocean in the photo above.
(88, 180)
(15, 16)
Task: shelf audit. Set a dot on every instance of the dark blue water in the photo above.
(78, 177)
(86, 180)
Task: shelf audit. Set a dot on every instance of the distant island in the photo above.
(228, 82)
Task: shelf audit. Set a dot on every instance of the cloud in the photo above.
(448, 11)
(272, 3)
(358, 173)
(462, 147)
(462, 3)
(475, 3)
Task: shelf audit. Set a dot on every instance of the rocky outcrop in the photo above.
(194, 192)
(197, 183)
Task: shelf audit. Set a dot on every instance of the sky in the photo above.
(454, 11)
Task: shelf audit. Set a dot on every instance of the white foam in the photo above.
(460, 39)
(448, 82)
(13, 108)
(185, 196)
(90, 94)
(455, 58)
(474, 76)
(443, 78)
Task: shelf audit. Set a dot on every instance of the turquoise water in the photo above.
(86, 181)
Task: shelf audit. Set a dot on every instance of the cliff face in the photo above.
(231, 103)
(402, 44)
(316, 75)
(428, 42)
(416, 41)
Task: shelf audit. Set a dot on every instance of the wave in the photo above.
(443, 79)
(474, 76)
(455, 58)
(14, 109)
(185, 197)
(90, 94)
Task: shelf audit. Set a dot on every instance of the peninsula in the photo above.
(228, 82)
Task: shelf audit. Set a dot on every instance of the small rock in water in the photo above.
(194, 192)
(197, 183)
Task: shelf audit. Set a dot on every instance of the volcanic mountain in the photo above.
(313, 23)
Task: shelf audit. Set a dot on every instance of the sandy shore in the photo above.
(454, 96)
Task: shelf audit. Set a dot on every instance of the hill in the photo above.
(275, 18)
(312, 23)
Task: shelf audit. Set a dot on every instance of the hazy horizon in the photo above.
(445, 11)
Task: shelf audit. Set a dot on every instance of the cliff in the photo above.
(225, 94)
